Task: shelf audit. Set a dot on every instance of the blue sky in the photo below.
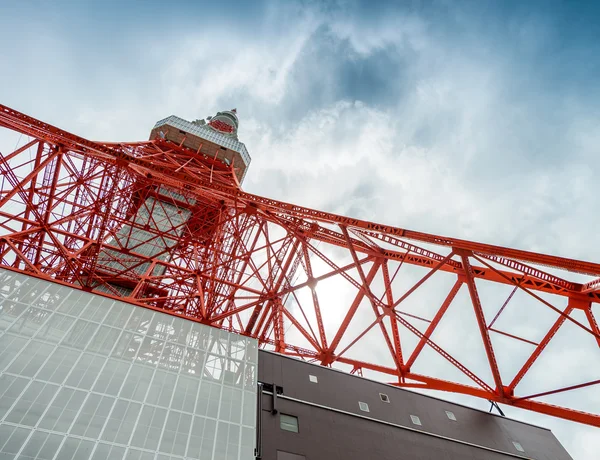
(475, 119)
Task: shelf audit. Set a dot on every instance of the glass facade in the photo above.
(83, 376)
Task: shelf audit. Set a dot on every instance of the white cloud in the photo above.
(451, 156)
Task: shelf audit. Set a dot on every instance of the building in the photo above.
(86, 376)
(318, 413)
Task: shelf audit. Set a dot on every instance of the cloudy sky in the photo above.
(474, 119)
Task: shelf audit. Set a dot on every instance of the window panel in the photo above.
(171, 357)
(104, 340)
(251, 351)
(214, 367)
(59, 365)
(193, 362)
(31, 359)
(32, 404)
(121, 422)
(247, 443)
(168, 437)
(231, 403)
(81, 333)
(69, 448)
(228, 440)
(6, 432)
(51, 295)
(134, 454)
(76, 449)
(8, 284)
(128, 423)
(208, 399)
(55, 328)
(9, 313)
(10, 346)
(74, 303)
(85, 371)
(219, 340)
(35, 445)
(108, 452)
(150, 351)
(182, 332)
(15, 441)
(182, 434)
(63, 410)
(29, 322)
(202, 438)
(127, 347)
(50, 447)
(234, 372)
(25, 289)
(184, 396)
(288, 423)
(93, 416)
(140, 320)
(97, 309)
(415, 419)
(149, 427)
(161, 389)
(250, 377)
(175, 433)
(249, 409)
(112, 376)
(161, 327)
(119, 315)
(137, 383)
(10, 390)
(237, 348)
(198, 337)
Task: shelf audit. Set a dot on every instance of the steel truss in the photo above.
(330, 289)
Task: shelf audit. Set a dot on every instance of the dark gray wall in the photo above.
(325, 433)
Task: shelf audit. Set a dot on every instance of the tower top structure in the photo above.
(226, 122)
(215, 137)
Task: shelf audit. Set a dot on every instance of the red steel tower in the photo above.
(165, 224)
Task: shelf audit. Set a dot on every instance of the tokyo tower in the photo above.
(165, 224)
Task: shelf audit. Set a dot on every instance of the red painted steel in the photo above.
(308, 283)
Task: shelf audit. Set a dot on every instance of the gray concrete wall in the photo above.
(331, 425)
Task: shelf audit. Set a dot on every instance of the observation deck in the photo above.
(215, 137)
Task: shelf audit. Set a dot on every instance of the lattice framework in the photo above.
(339, 291)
